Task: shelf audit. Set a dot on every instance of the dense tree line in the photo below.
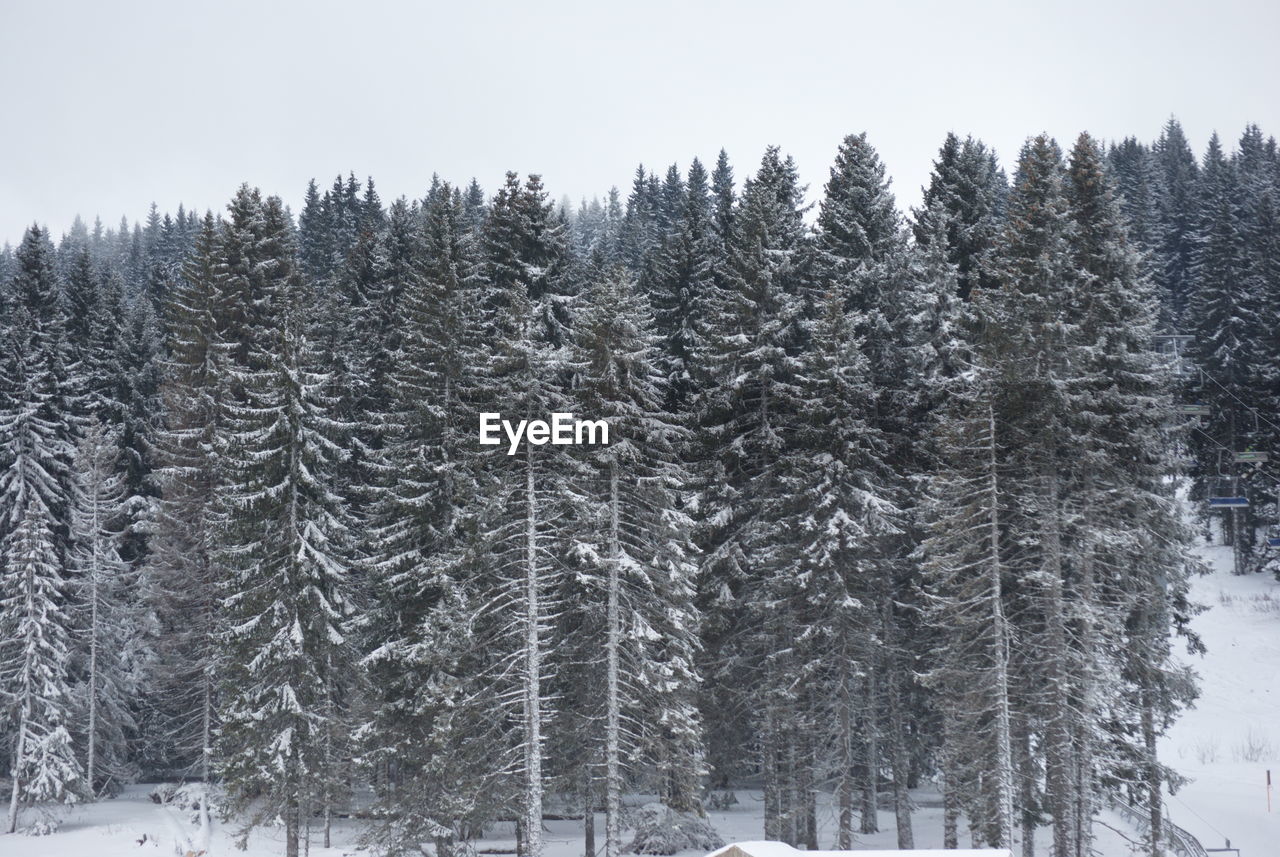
(887, 498)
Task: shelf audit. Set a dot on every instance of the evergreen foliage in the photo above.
(884, 500)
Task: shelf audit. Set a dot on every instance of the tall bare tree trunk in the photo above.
(1027, 786)
(787, 788)
(772, 787)
(326, 785)
(1152, 784)
(1059, 791)
(532, 670)
(206, 727)
(845, 778)
(93, 659)
(613, 724)
(1000, 644)
(588, 815)
(291, 822)
(19, 761)
(899, 761)
(870, 822)
(950, 787)
(808, 821)
(1084, 748)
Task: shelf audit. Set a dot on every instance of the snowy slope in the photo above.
(132, 826)
(1232, 736)
(113, 829)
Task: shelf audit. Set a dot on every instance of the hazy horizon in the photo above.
(149, 102)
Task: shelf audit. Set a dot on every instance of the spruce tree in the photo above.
(439, 735)
(1178, 178)
(283, 541)
(641, 230)
(526, 320)
(965, 566)
(141, 341)
(1034, 343)
(37, 433)
(1133, 553)
(723, 197)
(963, 204)
(684, 291)
(182, 571)
(313, 238)
(1222, 315)
(359, 341)
(112, 632)
(95, 343)
(1259, 223)
(842, 502)
(1137, 184)
(746, 417)
(862, 255)
(635, 551)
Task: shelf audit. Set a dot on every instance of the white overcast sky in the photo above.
(111, 105)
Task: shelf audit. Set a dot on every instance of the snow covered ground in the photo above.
(117, 829)
(133, 826)
(1225, 744)
(1231, 738)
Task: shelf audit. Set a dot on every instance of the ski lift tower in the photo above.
(1273, 532)
(1225, 494)
(1177, 348)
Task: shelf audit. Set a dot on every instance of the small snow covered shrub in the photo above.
(1262, 602)
(661, 830)
(721, 801)
(162, 793)
(1265, 602)
(1207, 750)
(188, 797)
(1254, 747)
(43, 827)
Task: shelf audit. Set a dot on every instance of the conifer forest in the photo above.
(890, 497)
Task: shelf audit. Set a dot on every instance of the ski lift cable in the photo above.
(1258, 466)
(1257, 414)
(1268, 473)
(1224, 448)
(1199, 816)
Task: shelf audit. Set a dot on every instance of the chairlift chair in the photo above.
(1225, 493)
(1228, 502)
(1195, 378)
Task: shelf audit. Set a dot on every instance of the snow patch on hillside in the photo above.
(1231, 738)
